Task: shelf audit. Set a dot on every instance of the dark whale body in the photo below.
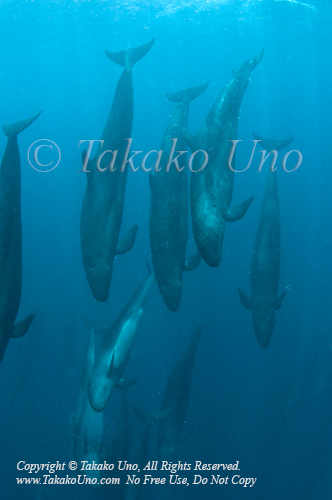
(211, 189)
(169, 207)
(116, 348)
(11, 238)
(265, 264)
(103, 202)
(176, 399)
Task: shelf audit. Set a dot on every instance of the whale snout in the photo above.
(263, 330)
(99, 281)
(171, 294)
(210, 246)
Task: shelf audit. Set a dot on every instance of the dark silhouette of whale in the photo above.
(114, 353)
(169, 207)
(11, 238)
(88, 425)
(103, 202)
(265, 264)
(176, 399)
(211, 189)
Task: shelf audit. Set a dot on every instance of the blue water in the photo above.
(268, 409)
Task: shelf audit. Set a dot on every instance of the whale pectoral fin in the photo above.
(245, 300)
(280, 299)
(22, 327)
(127, 242)
(125, 383)
(186, 435)
(238, 212)
(193, 262)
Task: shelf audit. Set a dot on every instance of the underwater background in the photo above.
(269, 409)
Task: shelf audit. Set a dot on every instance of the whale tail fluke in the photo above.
(187, 95)
(127, 58)
(16, 128)
(251, 64)
(273, 144)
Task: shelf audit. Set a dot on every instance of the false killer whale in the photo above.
(11, 238)
(88, 424)
(103, 202)
(169, 207)
(265, 264)
(176, 399)
(115, 350)
(211, 189)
